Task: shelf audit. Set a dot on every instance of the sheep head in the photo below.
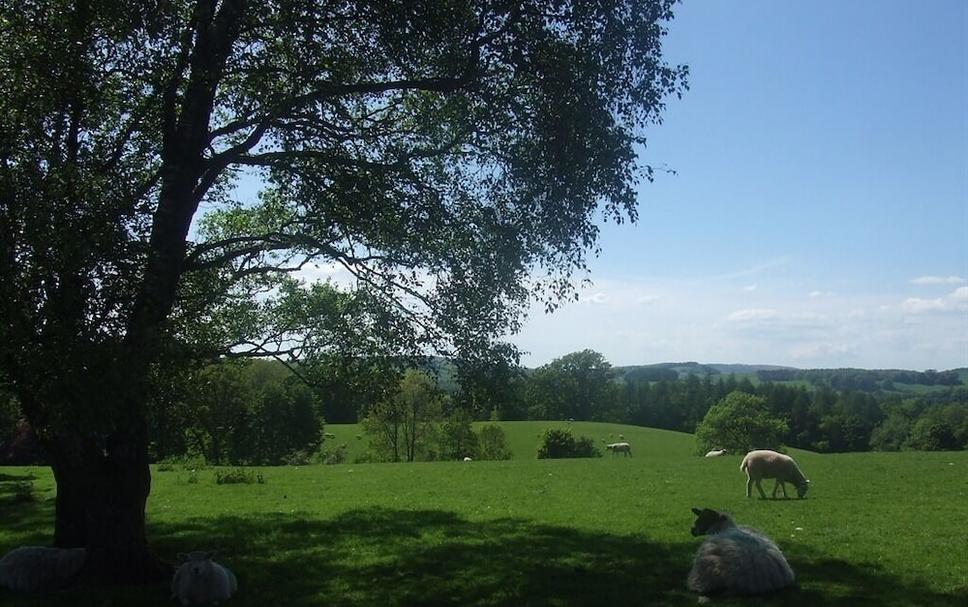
(707, 519)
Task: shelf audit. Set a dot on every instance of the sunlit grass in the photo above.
(876, 528)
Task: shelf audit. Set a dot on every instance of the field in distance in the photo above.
(882, 529)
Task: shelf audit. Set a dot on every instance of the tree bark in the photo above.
(102, 490)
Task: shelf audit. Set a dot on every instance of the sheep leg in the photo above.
(749, 486)
(759, 488)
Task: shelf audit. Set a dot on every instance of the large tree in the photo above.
(452, 156)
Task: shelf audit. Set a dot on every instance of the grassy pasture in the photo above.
(885, 529)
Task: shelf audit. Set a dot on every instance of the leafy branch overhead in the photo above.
(170, 170)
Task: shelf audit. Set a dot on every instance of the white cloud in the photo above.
(753, 314)
(819, 294)
(594, 298)
(650, 321)
(750, 288)
(814, 351)
(955, 301)
(938, 280)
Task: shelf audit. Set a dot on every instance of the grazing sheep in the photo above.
(735, 559)
(715, 453)
(467, 459)
(620, 448)
(764, 463)
(202, 581)
(37, 568)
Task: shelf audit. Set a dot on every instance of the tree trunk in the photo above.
(101, 495)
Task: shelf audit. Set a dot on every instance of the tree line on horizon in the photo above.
(261, 412)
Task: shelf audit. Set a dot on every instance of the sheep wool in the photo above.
(735, 559)
(202, 581)
(764, 463)
(38, 568)
(619, 448)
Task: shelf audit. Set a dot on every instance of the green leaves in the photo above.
(739, 423)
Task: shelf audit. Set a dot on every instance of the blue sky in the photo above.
(819, 214)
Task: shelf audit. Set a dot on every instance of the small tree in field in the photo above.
(492, 443)
(404, 426)
(739, 423)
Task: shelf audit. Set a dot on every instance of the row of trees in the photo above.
(583, 385)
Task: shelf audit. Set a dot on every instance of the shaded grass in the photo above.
(876, 529)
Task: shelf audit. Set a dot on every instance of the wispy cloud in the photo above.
(753, 314)
(757, 269)
(956, 301)
(938, 280)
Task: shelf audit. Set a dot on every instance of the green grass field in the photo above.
(884, 529)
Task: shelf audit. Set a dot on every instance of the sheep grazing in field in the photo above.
(468, 459)
(764, 463)
(202, 581)
(715, 453)
(619, 448)
(37, 568)
(735, 559)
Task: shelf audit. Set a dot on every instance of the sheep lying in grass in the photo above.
(764, 463)
(37, 568)
(620, 448)
(715, 453)
(734, 559)
(202, 581)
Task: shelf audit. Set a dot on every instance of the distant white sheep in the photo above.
(467, 459)
(735, 559)
(715, 453)
(37, 568)
(764, 463)
(202, 581)
(620, 448)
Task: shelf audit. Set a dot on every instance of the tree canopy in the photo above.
(452, 156)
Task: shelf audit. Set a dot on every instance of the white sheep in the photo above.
(468, 459)
(620, 448)
(735, 559)
(764, 463)
(37, 568)
(715, 453)
(202, 581)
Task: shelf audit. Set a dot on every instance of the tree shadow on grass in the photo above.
(379, 556)
(384, 557)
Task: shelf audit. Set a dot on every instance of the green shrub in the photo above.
(238, 476)
(337, 455)
(299, 457)
(558, 444)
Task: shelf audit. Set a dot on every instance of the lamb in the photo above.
(764, 463)
(202, 581)
(735, 559)
(716, 453)
(37, 568)
(620, 448)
